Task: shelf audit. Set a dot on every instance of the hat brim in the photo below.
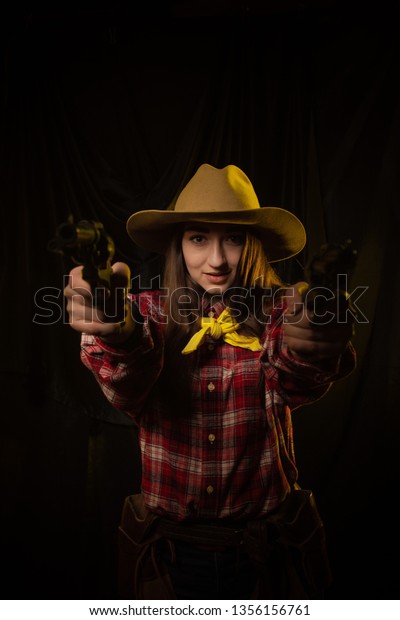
(281, 232)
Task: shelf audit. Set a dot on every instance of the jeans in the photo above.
(207, 574)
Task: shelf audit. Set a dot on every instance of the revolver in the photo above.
(87, 243)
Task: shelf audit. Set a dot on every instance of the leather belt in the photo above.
(204, 534)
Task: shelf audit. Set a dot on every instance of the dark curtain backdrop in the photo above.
(110, 111)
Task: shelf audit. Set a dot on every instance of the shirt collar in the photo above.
(212, 305)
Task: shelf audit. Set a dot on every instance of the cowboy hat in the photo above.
(223, 196)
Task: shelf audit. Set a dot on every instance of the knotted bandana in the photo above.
(226, 327)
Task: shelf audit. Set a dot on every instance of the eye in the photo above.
(197, 238)
(235, 239)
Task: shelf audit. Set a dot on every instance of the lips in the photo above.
(217, 278)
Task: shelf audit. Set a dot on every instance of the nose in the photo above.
(217, 258)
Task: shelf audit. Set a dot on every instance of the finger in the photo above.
(75, 282)
(121, 275)
(329, 333)
(86, 314)
(294, 297)
(95, 328)
(79, 294)
(316, 348)
(314, 352)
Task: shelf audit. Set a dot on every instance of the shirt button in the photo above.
(211, 387)
(211, 438)
(211, 347)
(210, 489)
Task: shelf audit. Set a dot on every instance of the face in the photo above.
(212, 253)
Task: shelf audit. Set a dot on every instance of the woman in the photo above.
(210, 368)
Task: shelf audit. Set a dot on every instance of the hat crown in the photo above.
(217, 189)
(225, 196)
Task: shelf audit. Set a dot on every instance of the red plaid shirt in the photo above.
(231, 456)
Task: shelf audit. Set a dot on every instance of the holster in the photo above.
(141, 573)
(287, 546)
(289, 549)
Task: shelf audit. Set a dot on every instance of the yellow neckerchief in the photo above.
(226, 327)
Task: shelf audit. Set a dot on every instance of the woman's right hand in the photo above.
(112, 320)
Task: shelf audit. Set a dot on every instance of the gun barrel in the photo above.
(81, 234)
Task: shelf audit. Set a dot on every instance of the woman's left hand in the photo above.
(312, 331)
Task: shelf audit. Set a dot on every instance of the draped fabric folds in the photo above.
(103, 118)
